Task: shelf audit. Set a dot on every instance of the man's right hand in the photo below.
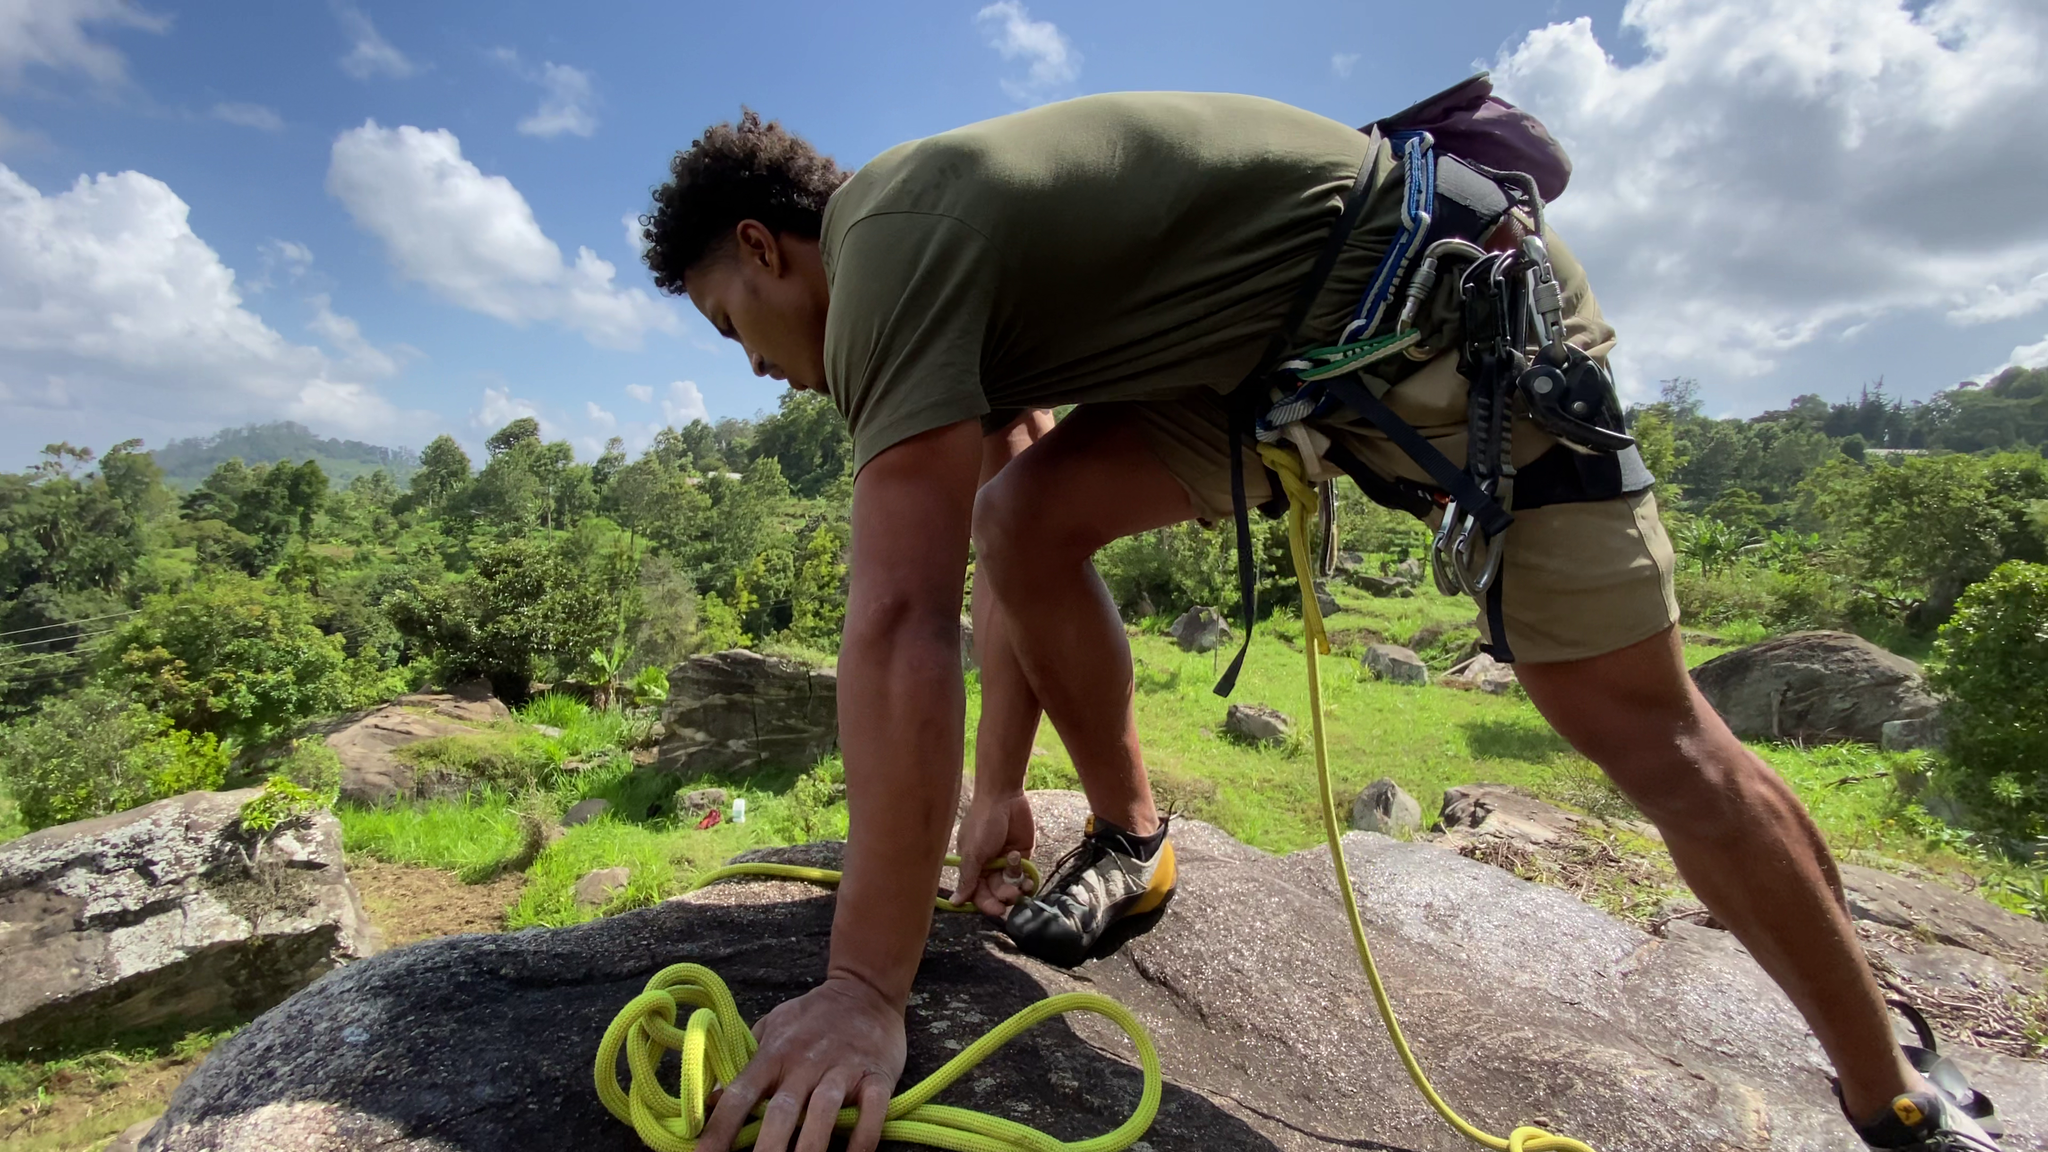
(996, 827)
(840, 1045)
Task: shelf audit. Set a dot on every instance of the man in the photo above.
(1133, 254)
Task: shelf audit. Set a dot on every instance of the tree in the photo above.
(231, 656)
(512, 435)
(529, 607)
(808, 438)
(444, 471)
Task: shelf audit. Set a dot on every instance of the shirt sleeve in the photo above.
(911, 298)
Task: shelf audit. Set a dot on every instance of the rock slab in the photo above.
(1814, 686)
(367, 742)
(1257, 724)
(155, 917)
(739, 711)
(1249, 987)
(1396, 664)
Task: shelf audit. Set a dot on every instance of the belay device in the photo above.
(1471, 162)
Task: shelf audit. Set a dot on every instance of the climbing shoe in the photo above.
(1950, 1117)
(1110, 888)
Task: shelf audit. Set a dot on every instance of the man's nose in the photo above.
(760, 365)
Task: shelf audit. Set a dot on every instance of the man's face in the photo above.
(767, 292)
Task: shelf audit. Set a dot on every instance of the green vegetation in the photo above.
(1990, 662)
(160, 642)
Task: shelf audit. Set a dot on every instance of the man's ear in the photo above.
(757, 244)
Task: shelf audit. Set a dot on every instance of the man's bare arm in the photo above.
(901, 703)
(901, 711)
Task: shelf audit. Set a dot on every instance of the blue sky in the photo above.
(371, 216)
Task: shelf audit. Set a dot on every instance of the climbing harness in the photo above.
(1302, 494)
(1511, 349)
(714, 1043)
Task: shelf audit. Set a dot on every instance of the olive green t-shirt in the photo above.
(1117, 247)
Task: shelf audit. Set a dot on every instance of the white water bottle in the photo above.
(739, 810)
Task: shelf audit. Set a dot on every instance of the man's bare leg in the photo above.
(1740, 838)
(1090, 481)
(1009, 709)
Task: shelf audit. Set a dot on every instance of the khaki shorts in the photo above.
(1578, 580)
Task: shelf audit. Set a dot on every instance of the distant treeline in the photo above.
(187, 462)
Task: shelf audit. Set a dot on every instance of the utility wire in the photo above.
(67, 624)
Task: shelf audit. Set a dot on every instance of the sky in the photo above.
(389, 221)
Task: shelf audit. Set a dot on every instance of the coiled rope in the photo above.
(714, 1044)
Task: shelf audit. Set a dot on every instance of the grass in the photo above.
(77, 1101)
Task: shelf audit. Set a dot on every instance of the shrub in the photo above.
(95, 752)
(311, 765)
(231, 656)
(508, 761)
(649, 686)
(1992, 665)
(282, 804)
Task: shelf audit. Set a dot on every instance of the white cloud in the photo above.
(1775, 172)
(249, 116)
(52, 34)
(473, 241)
(564, 104)
(683, 404)
(1054, 64)
(2029, 356)
(370, 55)
(13, 139)
(599, 416)
(641, 392)
(500, 407)
(1341, 63)
(111, 305)
(345, 336)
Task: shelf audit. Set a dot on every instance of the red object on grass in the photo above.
(711, 820)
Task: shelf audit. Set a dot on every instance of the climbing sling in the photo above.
(1508, 302)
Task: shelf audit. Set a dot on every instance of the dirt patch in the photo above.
(410, 904)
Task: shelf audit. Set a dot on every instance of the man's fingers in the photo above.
(873, 1101)
(734, 1102)
(823, 1111)
(785, 1109)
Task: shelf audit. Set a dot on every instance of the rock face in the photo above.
(1944, 916)
(1249, 987)
(737, 711)
(154, 916)
(1199, 630)
(594, 888)
(365, 743)
(584, 811)
(1326, 603)
(1395, 663)
(1257, 724)
(1814, 686)
(1384, 808)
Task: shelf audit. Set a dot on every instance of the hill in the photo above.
(187, 462)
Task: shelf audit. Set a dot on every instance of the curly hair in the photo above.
(734, 172)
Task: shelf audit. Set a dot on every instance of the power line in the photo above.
(55, 655)
(67, 624)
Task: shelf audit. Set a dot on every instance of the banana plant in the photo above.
(607, 664)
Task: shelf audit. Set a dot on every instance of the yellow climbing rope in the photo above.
(1302, 499)
(714, 1044)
